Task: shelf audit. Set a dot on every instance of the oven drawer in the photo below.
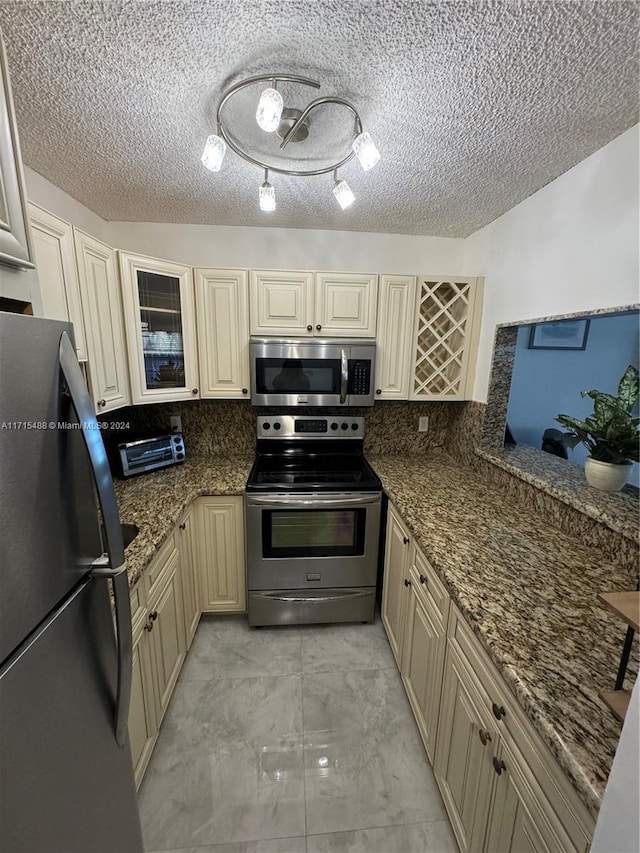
(308, 607)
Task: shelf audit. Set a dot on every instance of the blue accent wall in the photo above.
(546, 383)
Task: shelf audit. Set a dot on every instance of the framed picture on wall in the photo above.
(561, 334)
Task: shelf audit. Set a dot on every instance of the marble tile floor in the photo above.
(291, 740)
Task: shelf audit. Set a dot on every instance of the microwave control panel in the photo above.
(359, 376)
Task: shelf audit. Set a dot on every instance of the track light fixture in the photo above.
(292, 125)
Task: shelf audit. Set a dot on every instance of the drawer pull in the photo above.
(424, 579)
(498, 711)
(485, 737)
(407, 582)
(499, 766)
(405, 540)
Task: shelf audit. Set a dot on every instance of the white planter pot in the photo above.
(606, 475)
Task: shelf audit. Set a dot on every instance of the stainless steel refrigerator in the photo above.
(66, 778)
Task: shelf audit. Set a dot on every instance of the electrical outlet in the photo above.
(423, 424)
(176, 423)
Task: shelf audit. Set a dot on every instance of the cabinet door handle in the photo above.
(424, 579)
(309, 328)
(407, 582)
(149, 627)
(499, 766)
(194, 391)
(245, 390)
(318, 327)
(485, 737)
(102, 403)
(153, 615)
(183, 526)
(405, 540)
(378, 390)
(498, 711)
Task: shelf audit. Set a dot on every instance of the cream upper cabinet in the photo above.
(346, 305)
(161, 329)
(446, 328)
(396, 581)
(222, 311)
(303, 304)
(102, 311)
(15, 247)
(281, 303)
(57, 272)
(396, 303)
(221, 554)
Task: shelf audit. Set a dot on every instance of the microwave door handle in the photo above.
(344, 376)
(112, 564)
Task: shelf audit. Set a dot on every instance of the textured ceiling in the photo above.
(473, 105)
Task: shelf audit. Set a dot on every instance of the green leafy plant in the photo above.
(610, 434)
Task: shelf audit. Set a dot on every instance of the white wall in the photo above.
(572, 246)
(290, 248)
(42, 192)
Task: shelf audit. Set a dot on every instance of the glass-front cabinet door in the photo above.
(160, 321)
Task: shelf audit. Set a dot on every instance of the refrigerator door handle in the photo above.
(112, 566)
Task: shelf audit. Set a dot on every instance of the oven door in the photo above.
(311, 541)
(294, 373)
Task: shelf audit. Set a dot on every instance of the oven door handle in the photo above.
(344, 375)
(306, 599)
(293, 501)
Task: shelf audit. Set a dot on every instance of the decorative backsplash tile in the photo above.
(229, 426)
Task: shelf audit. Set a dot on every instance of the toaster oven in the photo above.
(140, 455)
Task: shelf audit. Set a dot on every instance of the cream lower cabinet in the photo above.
(425, 639)
(396, 582)
(159, 648)
(187, 536)
(222, 314)
(143, 727)
(104, 324)
(221, 554)
(502, 788)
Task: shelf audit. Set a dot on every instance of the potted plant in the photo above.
(610, 434)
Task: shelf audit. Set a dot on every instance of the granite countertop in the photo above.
(528, 591)
(155, 502)
(530, 595)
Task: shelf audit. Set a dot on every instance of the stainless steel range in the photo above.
(313, 522)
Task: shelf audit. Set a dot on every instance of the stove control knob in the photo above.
(334, 425)
(266, 425)
(354, 427)
(276, 425)
(344, 425)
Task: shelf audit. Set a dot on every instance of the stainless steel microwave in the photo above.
(312, 372)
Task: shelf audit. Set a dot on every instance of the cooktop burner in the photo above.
(302, 455)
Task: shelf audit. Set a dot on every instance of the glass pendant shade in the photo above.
(269, 110)
(267, 197)
(366, 151)
(213, 153)
(343, 194)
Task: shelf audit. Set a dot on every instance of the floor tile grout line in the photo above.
(444, 820)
